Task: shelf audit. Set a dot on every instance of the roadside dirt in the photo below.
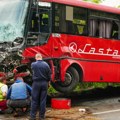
(57, 114)
(69, 114)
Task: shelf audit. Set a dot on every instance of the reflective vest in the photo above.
(1, 94)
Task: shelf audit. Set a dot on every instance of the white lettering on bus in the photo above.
(101, 50)
(88, 49)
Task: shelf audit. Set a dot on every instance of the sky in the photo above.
(113, 3)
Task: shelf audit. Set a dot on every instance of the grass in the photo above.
(86, 86)
(51, 90)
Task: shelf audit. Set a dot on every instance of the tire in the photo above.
(71, 81)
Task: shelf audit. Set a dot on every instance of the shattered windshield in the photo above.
(12, 16)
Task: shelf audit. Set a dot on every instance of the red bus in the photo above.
(79, 40)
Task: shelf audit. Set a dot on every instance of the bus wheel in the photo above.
(70, 82)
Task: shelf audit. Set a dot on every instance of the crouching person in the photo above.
(19, 96)
(3, 94)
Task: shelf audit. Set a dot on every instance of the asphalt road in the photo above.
(106, 109)
(103, 103)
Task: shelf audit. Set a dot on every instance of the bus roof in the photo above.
(81, 3)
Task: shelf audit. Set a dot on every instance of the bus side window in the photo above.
(108, 29)
(105, 28)
(93, 27)
(102, 29)
(76, 31)
(70, 27)
(115, 35)
(115, 29)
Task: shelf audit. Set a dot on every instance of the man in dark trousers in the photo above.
(41, 78)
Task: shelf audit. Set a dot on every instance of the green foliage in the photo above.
(51, 90)
(87, 86)
(94, 1)
(97, 1)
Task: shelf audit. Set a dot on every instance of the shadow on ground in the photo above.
(87, 95)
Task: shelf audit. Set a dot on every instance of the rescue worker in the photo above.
(19, 96)
(3, 94)
(44, 23)
(41, 78)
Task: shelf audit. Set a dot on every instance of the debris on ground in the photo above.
(58, 114)
(70, 114)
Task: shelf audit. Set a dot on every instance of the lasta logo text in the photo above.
(88, 49)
